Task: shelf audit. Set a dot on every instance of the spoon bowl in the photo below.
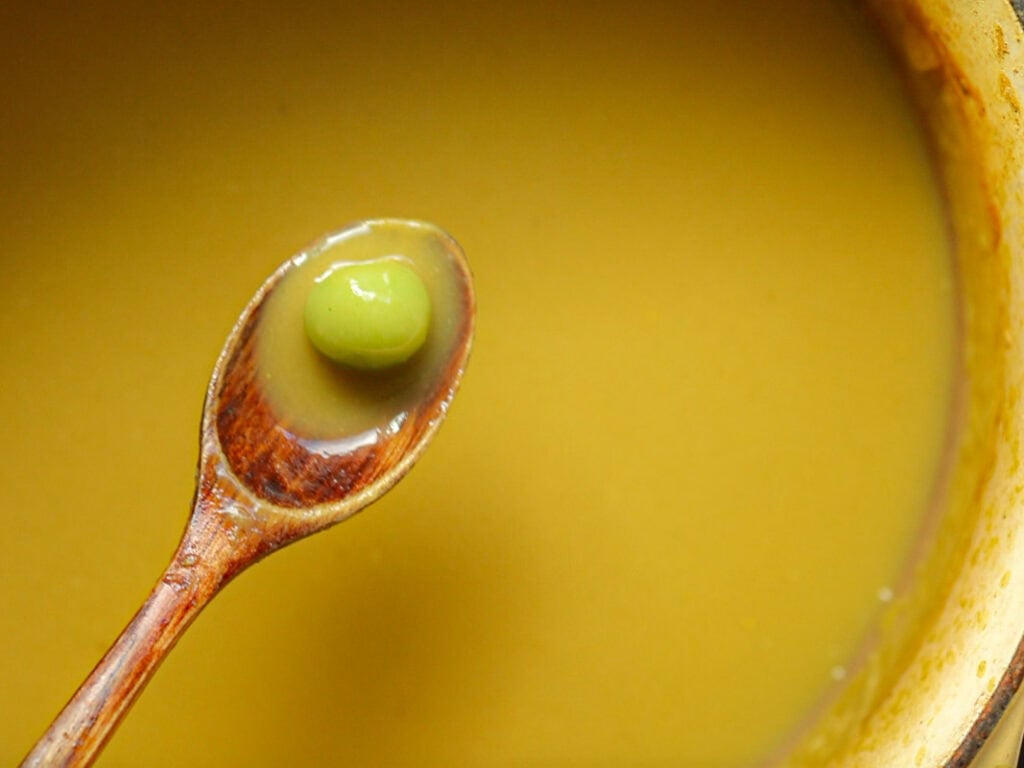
(262, 483)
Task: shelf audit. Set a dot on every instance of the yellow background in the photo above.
(695, 440)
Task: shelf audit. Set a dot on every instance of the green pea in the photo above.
(370, 315)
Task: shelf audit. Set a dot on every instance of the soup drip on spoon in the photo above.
(330, 386)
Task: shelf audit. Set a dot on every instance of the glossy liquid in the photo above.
(697, 436)
(316, 398)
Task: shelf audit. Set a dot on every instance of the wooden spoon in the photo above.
(259, 487)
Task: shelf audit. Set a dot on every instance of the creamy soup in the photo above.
(322, 400)
(698, 439)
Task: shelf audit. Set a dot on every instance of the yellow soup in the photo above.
(697, 442)
(316, 397)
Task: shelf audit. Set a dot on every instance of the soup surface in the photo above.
(696, 441)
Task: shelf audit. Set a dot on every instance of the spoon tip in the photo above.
(284, 469)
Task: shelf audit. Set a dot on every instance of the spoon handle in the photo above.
(202, 565)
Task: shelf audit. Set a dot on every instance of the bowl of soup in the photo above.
(733, 477)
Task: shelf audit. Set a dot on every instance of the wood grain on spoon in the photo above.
(259, 488)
